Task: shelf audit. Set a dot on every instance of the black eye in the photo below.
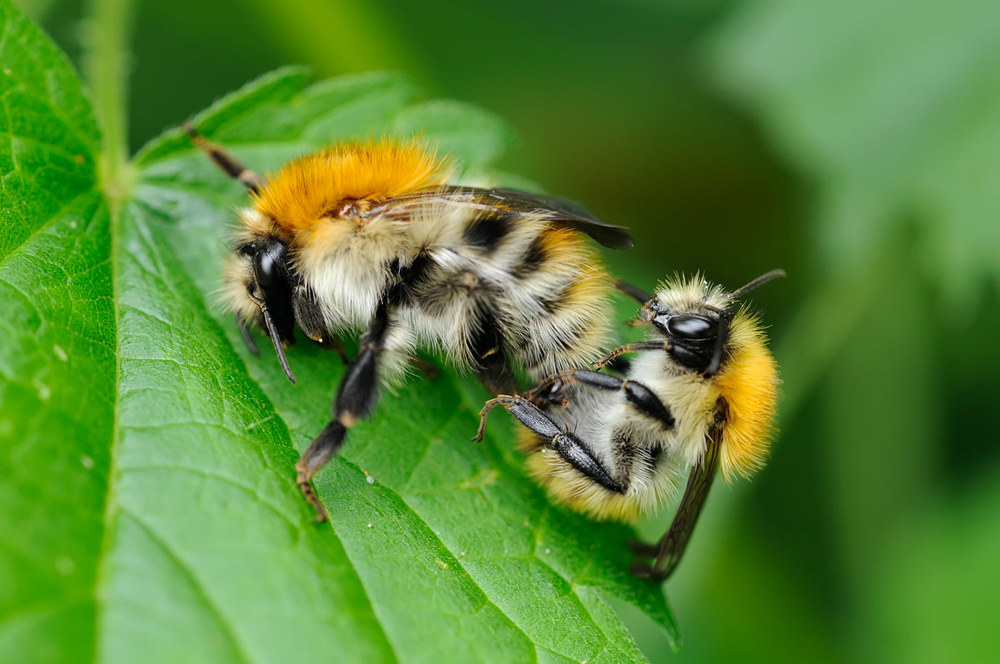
(266, 265)
(691, 327)
(247, 249)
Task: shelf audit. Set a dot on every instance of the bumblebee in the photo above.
(371, 238)
(699, 394)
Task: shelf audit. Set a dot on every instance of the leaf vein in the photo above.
(196, 583)
(45, 224)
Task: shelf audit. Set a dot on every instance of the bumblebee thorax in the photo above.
(346, 181)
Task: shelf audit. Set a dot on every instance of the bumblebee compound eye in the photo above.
(687, 327)
(695, 341)
(692, 327)
(274, 281)
(269, 266)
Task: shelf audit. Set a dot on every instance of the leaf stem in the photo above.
(106, 63)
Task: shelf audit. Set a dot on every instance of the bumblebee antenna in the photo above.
(225, 161)
(272, 332)
(757, 283)
(725, 315)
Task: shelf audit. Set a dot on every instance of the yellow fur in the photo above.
(315, 186)
(749, 383)
(567, 486)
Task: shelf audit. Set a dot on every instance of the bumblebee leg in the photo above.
(619, 364)
(670, 548)
(224, 160)
(309, 316)
(636, 392)
(356, 398)
(492, 367)
(565, 443)
(426, 368)
(631, 348)
(483, 414)
(326, 445)
(640, 395)
(245, 333)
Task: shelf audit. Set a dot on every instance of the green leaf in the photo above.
(893, 107)
(148, 472)
(57, 360)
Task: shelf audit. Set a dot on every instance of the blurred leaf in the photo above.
(468, 134)
(884, 423)
(935, 588)
(336, 36)
(894, 107)
(148, 472)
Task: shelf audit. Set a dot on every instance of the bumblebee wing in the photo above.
(567, 213)
(671, 546)
(556, 210)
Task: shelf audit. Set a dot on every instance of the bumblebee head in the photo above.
(261, 285)
(709, 332)
(696, 317)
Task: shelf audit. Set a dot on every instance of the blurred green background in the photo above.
(855, 144)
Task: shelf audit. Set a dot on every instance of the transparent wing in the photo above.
(671, 546)
(556, 210)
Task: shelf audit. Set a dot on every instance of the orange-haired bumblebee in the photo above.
(370, 237)
(700, 393)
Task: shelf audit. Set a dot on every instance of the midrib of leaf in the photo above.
(105, 61)
(106, 42)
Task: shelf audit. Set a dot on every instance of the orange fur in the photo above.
(317, 185)
(592, 286)
(749, 383)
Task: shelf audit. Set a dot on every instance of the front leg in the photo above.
(548, 391)
(569, 447)
(357, 395)
(634, 347)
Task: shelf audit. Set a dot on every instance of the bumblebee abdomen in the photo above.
(652, 478)
(557, 299)
(533, 286)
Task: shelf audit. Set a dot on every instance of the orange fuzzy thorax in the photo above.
(319, 185)
(749, 383)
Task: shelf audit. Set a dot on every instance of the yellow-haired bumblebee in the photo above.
(700, 393)
(370, 237)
